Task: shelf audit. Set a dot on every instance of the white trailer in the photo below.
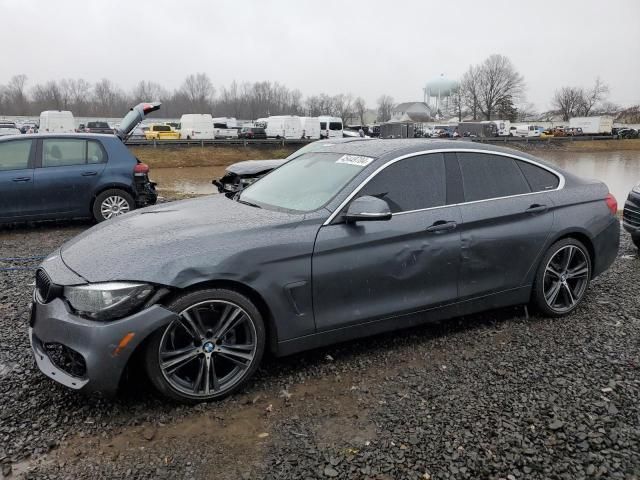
(196, 126)
(330, 127)
(592, 125)
(502, 127)
(57, 121)
(281, 126)
(310, 127)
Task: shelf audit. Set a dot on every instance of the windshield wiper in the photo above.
(248, 203)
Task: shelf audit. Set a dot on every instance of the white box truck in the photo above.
(196, 126)
(592, 125)
(330, 127)
(57, 121)
(281, 126)
(310, 127)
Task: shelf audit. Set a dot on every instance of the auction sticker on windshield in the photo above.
(357, 160)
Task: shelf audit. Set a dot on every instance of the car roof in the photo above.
(35, 136)
(386, 149)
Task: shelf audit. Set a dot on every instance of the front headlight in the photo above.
(248, 181)
(636, 189)
(106, 301)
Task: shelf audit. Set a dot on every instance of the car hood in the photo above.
(172, 243)
(254, 167)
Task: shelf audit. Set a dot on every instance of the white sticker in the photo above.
(357, 160)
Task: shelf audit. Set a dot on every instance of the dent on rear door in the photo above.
(501, 243)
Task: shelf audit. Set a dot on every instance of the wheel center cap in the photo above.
(563, 278)
(208, 347)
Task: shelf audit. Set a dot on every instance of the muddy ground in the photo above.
(497, 395)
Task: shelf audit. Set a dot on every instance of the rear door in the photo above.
(506, 219)
(66, 174)
(380, 269)
(16, 179)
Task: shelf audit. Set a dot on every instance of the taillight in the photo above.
(141, 168)
(612, 203)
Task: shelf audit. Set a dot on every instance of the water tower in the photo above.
(438, 91)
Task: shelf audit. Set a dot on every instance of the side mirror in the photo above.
(368, 208)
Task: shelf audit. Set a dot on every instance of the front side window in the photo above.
(305, 183)
(487, 176)
(335, 126)
(61, 152)
(411, 184)
(14, 155)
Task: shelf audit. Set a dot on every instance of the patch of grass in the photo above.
(208, 156)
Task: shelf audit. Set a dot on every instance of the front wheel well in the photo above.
(270, 326)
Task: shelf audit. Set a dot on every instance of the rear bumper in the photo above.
(605, 246)
(145, 192)
(98, 362)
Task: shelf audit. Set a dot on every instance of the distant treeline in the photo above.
(196, 95)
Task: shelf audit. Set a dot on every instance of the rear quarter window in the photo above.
(539, 179)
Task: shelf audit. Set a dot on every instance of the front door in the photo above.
(377, 269)
(16, 179)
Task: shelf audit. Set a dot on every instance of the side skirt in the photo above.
(520, 295)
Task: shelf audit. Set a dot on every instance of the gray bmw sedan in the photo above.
(349, 240)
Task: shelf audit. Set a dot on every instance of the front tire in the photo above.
(562, 278)
(211, 351)
(111, 203)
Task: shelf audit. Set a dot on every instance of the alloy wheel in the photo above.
(113, 206)
(208, 349)
(566, 277)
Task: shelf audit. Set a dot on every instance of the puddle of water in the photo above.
(191, 180)
(620, 170)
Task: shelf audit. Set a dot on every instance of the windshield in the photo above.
(309, 148)
(306, 183)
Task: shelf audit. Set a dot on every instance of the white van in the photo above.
(310, 127)
(330, 127)
(281, 126)
(196, 126)
(57, 121)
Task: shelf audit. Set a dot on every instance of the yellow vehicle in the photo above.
(161, 132)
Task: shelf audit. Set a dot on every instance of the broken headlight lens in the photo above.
(107, 301)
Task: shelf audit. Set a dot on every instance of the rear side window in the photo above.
(538, 178)
(411, 184)
(95, 153)
(62, 152)
(14, 155)
(490, 176)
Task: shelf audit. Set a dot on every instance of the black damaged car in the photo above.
(631, 215)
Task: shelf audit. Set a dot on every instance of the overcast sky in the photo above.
(366, 48)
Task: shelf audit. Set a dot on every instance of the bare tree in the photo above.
(469, 90)
(198, 90)
(343, 106)
(458, 102)
(385, 105)
(567, 101)
(497, 80)
(47, 96)
(146, 91)
(360, 108)
(16, 95)
(593, 96)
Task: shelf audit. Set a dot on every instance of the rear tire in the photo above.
(112, 203)
(216, 346)
(562, 278)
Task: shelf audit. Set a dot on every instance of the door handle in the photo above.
(441, 226)
(89, 174)
(22, 179)
(537, 208)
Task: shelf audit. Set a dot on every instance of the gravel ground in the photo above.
(494, 396)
